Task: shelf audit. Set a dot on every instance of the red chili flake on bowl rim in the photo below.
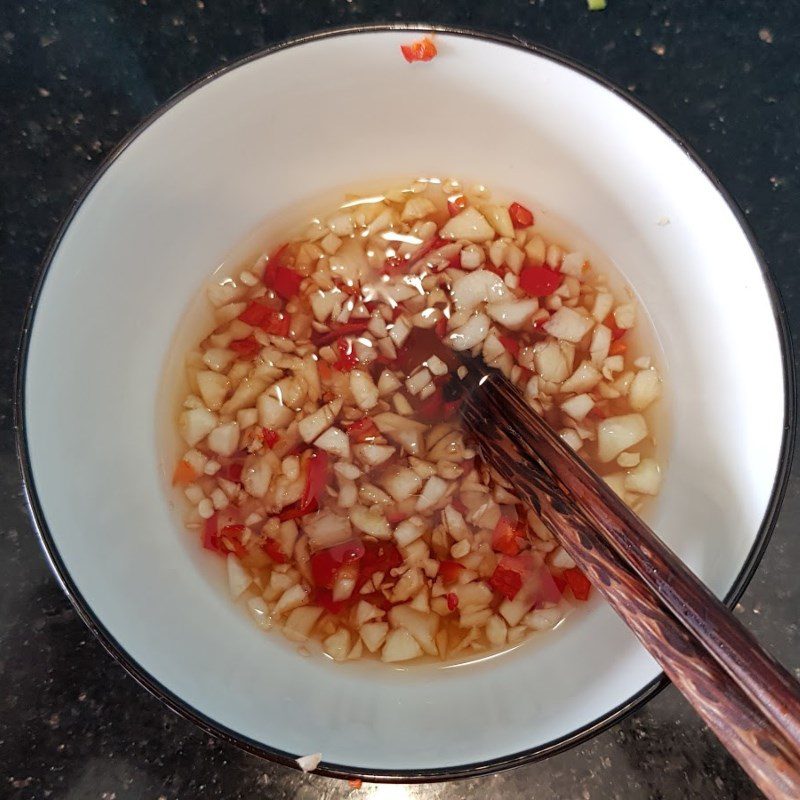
(421, 50)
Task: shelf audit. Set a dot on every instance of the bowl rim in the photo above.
(212, 727)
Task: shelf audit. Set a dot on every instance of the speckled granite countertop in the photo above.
(75, 76)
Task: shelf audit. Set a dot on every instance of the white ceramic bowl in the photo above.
(284, 126)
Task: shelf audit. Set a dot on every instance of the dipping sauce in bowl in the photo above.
(326, 461)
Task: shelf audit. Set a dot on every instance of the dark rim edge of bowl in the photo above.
(210, 726)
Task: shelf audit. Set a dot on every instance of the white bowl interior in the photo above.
(283, 128)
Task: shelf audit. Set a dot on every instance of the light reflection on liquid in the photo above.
(391, 236)
(363, 201)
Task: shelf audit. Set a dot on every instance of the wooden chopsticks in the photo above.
(750, 702)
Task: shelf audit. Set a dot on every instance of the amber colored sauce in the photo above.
(420, 346)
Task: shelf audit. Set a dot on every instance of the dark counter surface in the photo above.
(75, 76)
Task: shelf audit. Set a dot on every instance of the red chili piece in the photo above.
(422, 50)
(363, 430)
(277, 323)
(578, 582)
(254, 314)
(520, 216)
(426, 248)
(347, 360)
(348, 329)
(273, 549)
(505, 537)
(430, 408)
(210, 534)
(231, 472)
(616, 333)
(246, 348)
(326, 564)
(539, 281)
(269, 320)
(506, 581)
(232, 535)
(324, 597)
(456, 204)
(286, 282)
(277, 259)
(378, 557)
(316, 478)
(450, 570)
(296, 511)
(510, 344)
(394, 265)
(269, 437)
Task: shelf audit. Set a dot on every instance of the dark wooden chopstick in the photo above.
(742, 693)
(769, 759)
(679, 589)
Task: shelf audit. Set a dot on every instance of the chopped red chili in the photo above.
(506, 581)
(521, 217)
(422, 50)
